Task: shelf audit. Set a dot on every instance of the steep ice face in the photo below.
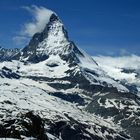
(52, 40)
(56, 41)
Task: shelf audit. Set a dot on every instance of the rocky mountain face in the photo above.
(53, 90)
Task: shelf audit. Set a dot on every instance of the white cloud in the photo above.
(130, 61)
(124, 52)
(41, 17)
(113, 66)
(20, 40)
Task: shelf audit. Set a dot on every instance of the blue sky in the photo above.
(107, 27)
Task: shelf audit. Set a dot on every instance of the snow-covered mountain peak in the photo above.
(56, 40)
(52, 40)
(72, 61)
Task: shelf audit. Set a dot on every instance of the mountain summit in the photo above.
(51, 89)
(52, 40)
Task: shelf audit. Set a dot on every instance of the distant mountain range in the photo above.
(7, 54)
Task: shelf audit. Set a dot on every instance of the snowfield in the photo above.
(23, 95)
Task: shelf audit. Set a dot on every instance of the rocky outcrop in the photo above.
(8, 73)
(122, 108)
(31, 125)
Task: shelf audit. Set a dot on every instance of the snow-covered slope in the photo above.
(53, 90)
(19, 97)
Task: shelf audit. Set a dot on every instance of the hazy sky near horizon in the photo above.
(106, 27)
